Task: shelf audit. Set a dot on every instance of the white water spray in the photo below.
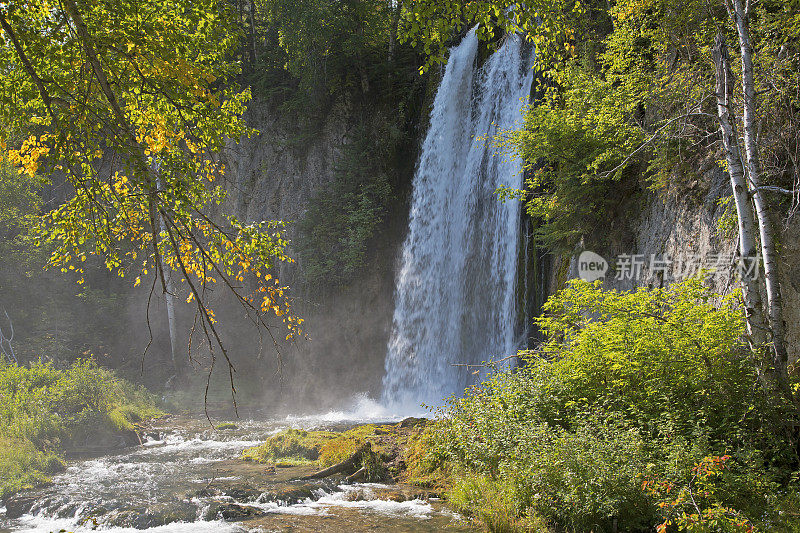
(455, 292)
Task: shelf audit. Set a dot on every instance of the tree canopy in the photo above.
(130, 103)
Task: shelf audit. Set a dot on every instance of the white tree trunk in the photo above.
(756, 326)
(396, 7)
(169, 297)
(173, 328)
(767, 233)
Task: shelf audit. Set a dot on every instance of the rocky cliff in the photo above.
(684, 230)
(273, 176)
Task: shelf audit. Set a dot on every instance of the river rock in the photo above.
(390, 493)
(19, 504)
(231, 512)
(242, 494)
(153, 436)
(206, 492)
(411, 422)
(401, 493)
(288, 495)
(101, 441)
(153, 516)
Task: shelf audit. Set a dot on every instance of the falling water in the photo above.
(455, 292)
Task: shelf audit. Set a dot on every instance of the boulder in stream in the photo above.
(153, 516)
(231, 512)
(19, 504)
(289, 495)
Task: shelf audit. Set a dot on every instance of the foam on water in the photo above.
(34, 524)
(362, 409)
(326, 501)
(180, 444)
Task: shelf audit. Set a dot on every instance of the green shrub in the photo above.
(670, 361)
(22, 466)
(47, 405)
(629, 386)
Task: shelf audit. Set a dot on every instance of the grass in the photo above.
(322, 449)
(494, 504)
(290, 444)
(423, 466)
(46, 411)
(288, 462)
(22, 466)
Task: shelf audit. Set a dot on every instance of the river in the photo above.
(187, 477)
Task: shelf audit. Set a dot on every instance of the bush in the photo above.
(628, 387)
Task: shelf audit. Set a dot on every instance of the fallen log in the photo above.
(348, 465)
(360, 475)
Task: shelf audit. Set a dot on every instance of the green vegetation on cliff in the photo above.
(343, 218)
(45, 411)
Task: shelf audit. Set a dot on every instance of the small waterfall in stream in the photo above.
(455, 290)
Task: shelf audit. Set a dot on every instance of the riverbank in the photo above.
(47, 414)
(641, 411)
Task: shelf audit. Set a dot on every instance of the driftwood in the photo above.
(348, 465)
(360, 475)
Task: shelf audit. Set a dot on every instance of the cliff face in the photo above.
(273, 176)
(684, 230)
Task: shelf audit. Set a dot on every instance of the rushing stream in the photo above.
(187, 478)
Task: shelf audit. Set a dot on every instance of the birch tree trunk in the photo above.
(739, 13)
(756, 326)
(169, 296)
(396, 7)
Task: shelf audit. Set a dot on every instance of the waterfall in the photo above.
(455, 289)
